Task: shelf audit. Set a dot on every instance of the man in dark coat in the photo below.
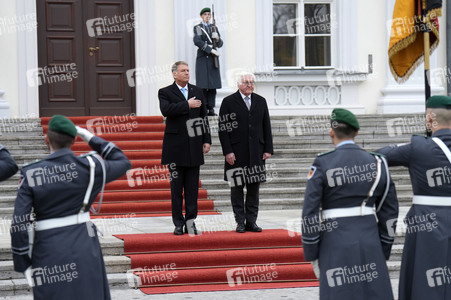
(208, 77)
(8, 166)
(352, 187)
(60, 252)
(426, 258)
(186, 140)
(246, 141)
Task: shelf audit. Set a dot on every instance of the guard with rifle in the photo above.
(208, 40)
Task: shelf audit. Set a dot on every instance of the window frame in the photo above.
(301, 35)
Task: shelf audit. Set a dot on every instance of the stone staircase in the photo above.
(297, 140)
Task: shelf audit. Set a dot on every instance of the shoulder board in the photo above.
(420, 135)
(376, 154)
(32, 163)
(324, 153)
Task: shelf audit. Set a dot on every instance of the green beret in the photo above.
(204, 10)
(345, 116)
(62, 124)
(439, 102)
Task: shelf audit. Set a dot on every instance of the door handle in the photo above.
(92, 49)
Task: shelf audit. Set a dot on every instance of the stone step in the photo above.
(113, 264)
(111, 246)
(19, 286)
(276, 198)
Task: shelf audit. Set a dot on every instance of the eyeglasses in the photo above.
(251, 83)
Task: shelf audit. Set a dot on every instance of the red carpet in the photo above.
(145, 190)
(217, 261)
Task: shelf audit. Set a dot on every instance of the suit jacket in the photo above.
(187, 129)
(246, 133)
(207, 76)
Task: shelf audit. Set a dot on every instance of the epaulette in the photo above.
(32, 163)
(420, 135)
(324, 153)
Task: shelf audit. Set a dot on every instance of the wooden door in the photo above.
(85, 48)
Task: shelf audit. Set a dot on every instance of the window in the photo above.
(305, 41)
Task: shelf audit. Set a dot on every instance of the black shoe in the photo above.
(253, 227)
(191, 229)
(240, 228)
(211, 113)
(178, 230)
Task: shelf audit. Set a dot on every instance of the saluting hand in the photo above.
(85, 134)
(230, 158)
(193, 103)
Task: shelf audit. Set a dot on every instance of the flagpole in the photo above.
(427, 51)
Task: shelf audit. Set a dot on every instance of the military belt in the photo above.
(62, 222)
(347, 212)
(431, 200)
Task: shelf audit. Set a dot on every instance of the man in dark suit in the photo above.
(186, 140)
(246, 143)
(208, 77)
(64, 260)
(8, 166)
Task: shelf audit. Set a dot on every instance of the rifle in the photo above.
(215, 42)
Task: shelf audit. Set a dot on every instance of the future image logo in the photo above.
(438, 276)
(235, 177)
(438, 176)
(196, 127)
(254, 274)
(350, 275)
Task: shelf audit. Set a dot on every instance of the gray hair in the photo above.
(242, 74)
(176, 65)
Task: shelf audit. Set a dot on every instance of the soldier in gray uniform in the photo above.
(8, 166)
(60, 252)
(346, 189)
(426, 259)
(208, 77)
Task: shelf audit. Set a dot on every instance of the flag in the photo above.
(406, 47)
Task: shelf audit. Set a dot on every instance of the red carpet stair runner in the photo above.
(214, 261)
(144, 191)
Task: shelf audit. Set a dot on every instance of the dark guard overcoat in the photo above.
(246, 133)
(181, 147)
(207, 76)
(352, 251)
(426, 258)
(67, 262)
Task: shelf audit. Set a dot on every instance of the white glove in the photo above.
(315, 265)
(85, 134)
(27, 274)
(215, 52)
(215, 36)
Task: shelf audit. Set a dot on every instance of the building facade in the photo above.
(79, 58)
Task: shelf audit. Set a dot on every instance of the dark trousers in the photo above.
(245, 211)
(184, 179)
(210, 97)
